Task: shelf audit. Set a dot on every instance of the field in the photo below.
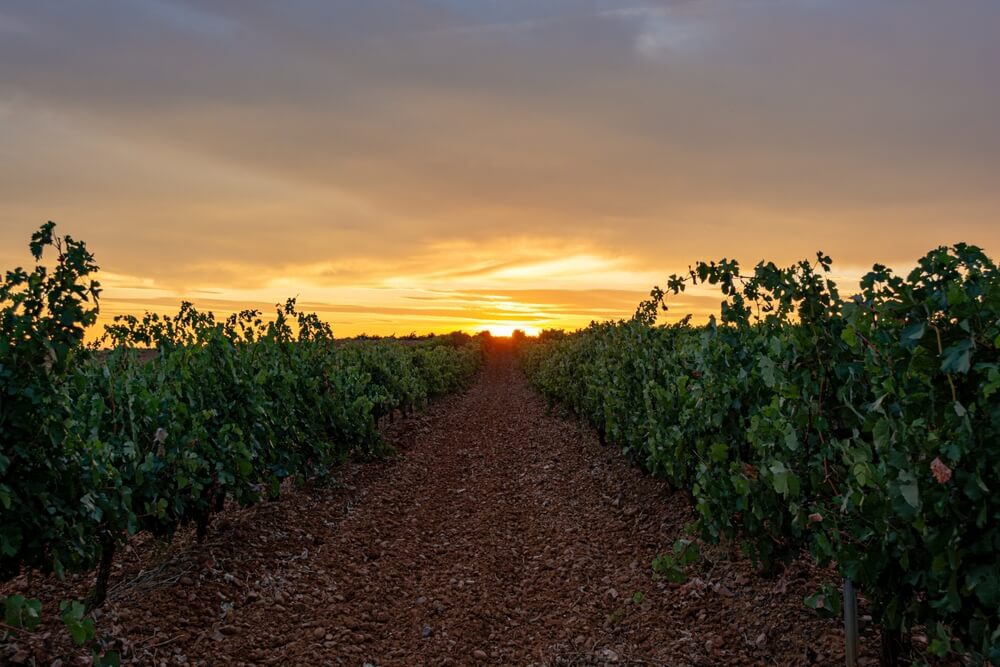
(497, 528)
(257, 492)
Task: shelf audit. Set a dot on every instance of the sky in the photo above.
(430, 165)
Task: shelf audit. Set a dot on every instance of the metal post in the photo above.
(851, 623)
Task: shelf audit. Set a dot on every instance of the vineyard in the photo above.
(188, 489)
(864, 430)
(166, 419)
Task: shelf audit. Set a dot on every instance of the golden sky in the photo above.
(429, 165)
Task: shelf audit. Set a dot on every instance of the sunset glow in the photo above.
(508, 330)
(477, 165)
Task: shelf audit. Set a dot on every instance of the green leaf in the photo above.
(957, 358)
(784, 480)
(791, 441)
(908, 489)
(993, 383)
(881, 433)
(814, 601)
(80, 629)
(767, 371)
(718, 452)
(32, 614)
(780, 473)
(826, 601)
(985, 583)
(776, 346)
(21, 612)
(939, 647)
(686, 552)
(849, 335)
(912, 334)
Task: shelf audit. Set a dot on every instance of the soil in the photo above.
(499, 535)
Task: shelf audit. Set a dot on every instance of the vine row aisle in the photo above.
(500, 535)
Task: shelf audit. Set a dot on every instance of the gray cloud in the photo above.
(223, 143)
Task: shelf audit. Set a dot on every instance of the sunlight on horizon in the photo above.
(528, 287)
(507, 330)
(439, 308)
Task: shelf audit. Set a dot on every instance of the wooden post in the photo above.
(850, 623)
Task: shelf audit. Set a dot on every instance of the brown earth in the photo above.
(500, 535)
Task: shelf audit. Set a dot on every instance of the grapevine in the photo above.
(864, 429)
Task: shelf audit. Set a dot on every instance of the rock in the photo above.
(479, 654)
(186, 581)
(426, 632)
(722, 590)
(319, 633)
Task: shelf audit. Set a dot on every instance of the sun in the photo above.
(506, 330)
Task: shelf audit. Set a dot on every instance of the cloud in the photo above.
(664, 33)
(189, 18)
(400, 147)
(12, 25)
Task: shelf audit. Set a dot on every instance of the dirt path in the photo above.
(500, 536)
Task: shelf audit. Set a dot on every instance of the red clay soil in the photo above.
(500, 535)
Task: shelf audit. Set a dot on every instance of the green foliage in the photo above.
(21, 613)
(42, 322)
(671, 566)
(81, 629)
(169, 417)
(826, 602)
(864, 429)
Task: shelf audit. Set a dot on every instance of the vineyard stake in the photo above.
(850, 623)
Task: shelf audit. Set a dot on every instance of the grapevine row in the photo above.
(864, 429)
(165, 419)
